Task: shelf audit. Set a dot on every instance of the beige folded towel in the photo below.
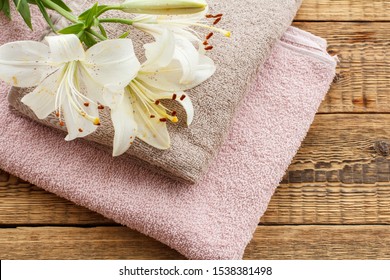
(256, 25)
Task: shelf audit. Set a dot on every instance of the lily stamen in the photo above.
(217, 20)
(74, 95)
(74, 84)
(224, 32)
(213, 16)
(150, 104)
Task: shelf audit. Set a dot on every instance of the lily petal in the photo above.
(151, 28)
(125, 126)
(112, 63)
(160, 53)
(187, 55)
(24, 63)
(65, 48)
(98, 93)
(187, 106)
(203, 71)
(165, 79)
(151, 130)
(190, 64)
(77, 125)
(42, 99)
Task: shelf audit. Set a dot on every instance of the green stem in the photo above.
(97, 35)
(117, 20)
(108, 8)
(80, 34)
(61, 11)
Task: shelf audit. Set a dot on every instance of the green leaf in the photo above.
(62, 5)
(85, 14)
(72, 29)
(89, 16)
(124, 35)
(102, 30)
(24, 10)
(45, 14)
(88, 39)
(57, 2)
(4, 7)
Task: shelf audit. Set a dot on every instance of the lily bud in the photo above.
(163, 7)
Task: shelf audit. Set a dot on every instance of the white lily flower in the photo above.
(180, 25)
(163, 6)
(69, 80)
(164, 75)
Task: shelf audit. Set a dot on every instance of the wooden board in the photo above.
(80, 243)
(344, 10)
(363, 80)
(334, 202)
(320, 242)
(24, 204)
(269, 242)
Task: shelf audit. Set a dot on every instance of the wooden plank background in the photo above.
(334, 201)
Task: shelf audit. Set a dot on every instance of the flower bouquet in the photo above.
(80, 70)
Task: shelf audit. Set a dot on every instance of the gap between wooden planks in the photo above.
(269, 242)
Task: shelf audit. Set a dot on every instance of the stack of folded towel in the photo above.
(205, 195)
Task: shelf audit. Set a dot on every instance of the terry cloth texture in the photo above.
(214, 218)
(256, 25)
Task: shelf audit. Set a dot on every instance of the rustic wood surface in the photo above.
(276, 242)
(334, 201)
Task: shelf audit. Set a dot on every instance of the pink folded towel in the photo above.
(214, 218)
(256, 26)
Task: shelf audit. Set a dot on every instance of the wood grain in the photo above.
(80, 243)
(269, 242)
(344, 10)
(339, 176)
(362, 84)
(320, 242)
(23, 203)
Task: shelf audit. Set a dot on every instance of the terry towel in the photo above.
(256, 25)
(214, 218)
